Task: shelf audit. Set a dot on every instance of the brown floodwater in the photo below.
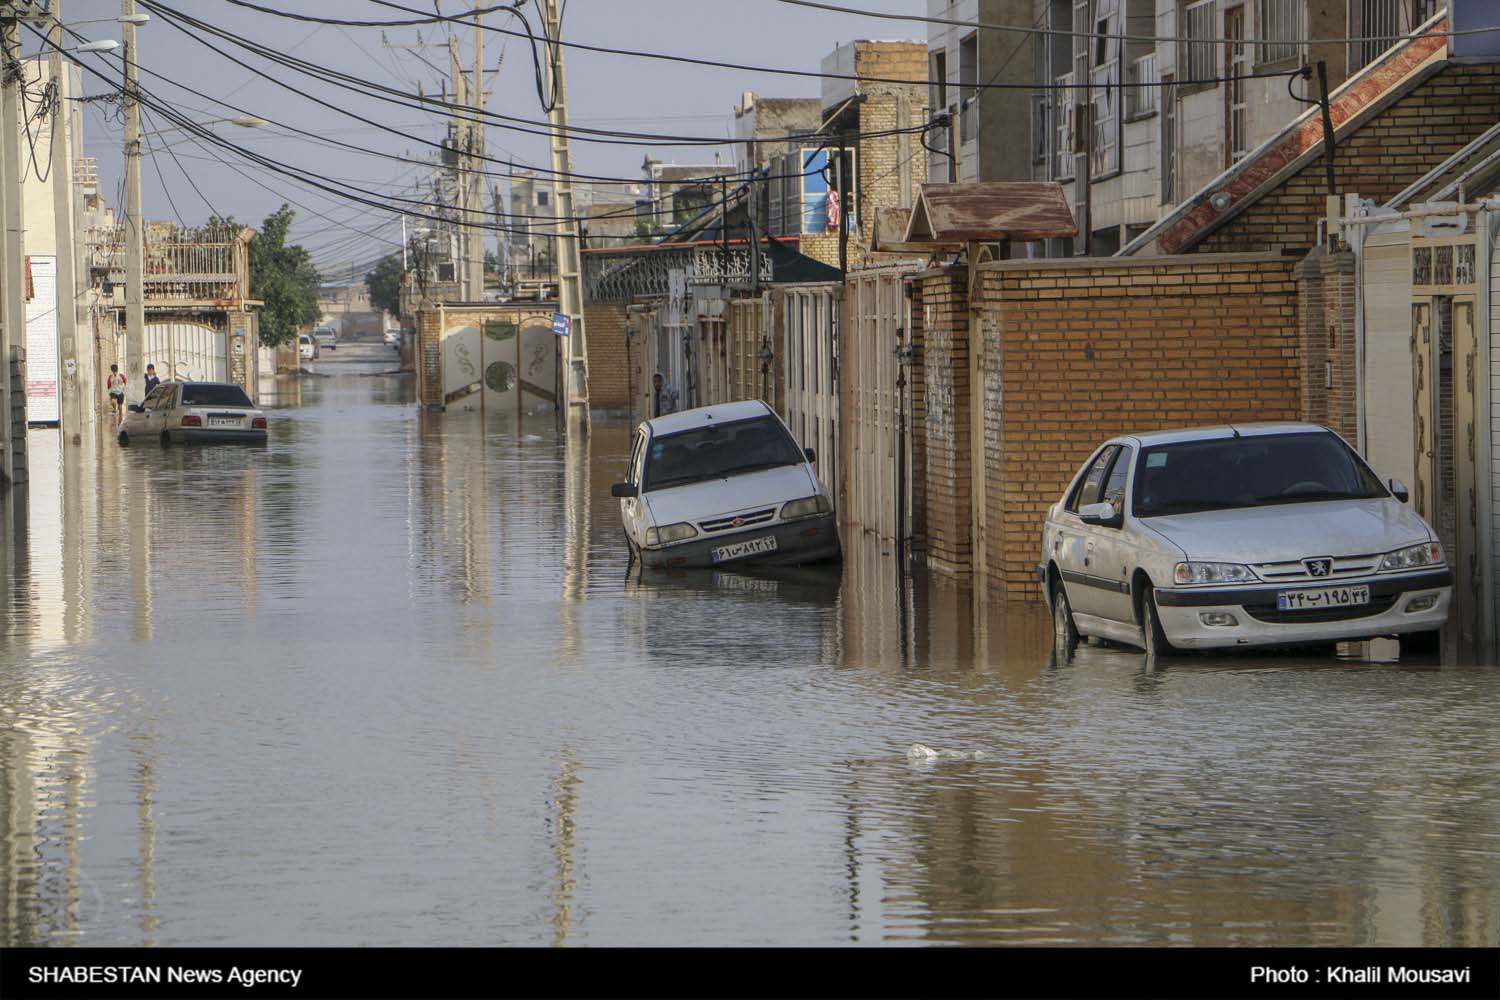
(388, 681)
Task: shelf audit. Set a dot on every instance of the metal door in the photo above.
(1467, 573)
(1424, 411)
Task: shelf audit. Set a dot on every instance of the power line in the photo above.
(1062, 32)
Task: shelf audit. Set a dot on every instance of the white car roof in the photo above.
(1254, 429)
(686, 420)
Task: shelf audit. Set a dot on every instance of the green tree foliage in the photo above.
(284, 278)
(384, 283)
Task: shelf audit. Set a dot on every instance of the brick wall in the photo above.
(1325, 330)
(1395, 148)
(940, 309)
(429, 357)
(1093, 349)
(604, 327)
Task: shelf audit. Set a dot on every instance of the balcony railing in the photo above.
(620, 275)
(181, 265)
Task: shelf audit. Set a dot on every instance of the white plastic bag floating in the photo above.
(920, 751)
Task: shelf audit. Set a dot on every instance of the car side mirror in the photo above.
(624, 490)
(1398, 490)
(1101, 514)
(136, 408)
(812, 456)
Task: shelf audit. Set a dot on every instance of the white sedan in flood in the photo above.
(194, 413)
(1250, 535)
(724, 485)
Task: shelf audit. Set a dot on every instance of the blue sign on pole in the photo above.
(562, 324)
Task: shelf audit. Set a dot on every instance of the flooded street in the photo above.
(388, 682)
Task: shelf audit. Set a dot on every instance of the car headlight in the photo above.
(808, 507)
(1412, 556)
(1212, 572)
(670, 533)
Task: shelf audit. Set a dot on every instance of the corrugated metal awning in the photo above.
(890, 235)
(989, 212)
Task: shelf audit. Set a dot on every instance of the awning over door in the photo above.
(989, 212)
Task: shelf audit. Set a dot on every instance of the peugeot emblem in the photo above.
(1318, 567)
(738, 522)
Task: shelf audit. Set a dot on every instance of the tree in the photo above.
(384, 283)
(283, 277)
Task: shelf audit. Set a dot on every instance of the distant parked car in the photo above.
(1255, 534)
(724, 485)
(393, 339)
(326, 337)
(307, 348)
(194, 413)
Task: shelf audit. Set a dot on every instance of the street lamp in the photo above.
(103, 45)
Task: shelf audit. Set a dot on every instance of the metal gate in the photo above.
(187, 350)
(810, 319)
(877, 454)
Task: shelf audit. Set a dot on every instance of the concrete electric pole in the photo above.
(135, 233)
(475, 230)
(13, 258)
(568, 235)
(75, 381)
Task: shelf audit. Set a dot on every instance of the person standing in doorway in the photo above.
(663, 396)
(151, 380)
(116, 386)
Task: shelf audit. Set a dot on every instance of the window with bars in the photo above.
(1062, 127)
(1142, 97)
(1104, 80)
(1196, 57)
(1280, 26)
(1237, 62)
(1382, 23)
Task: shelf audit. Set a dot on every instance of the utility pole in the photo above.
(569, 259)
(475, 180)
(13, 271)
(74, 382)
(461, 141)
(135, 233)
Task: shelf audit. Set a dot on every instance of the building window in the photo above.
(1105, 90)
(1168, 141)
(1196, 57)
(542, 198)
(1142, 96)
(937, 90)
(1237, 61)
(1280, 26)
(1382, 23)
(1041, 127)
(818, 167)
(1063, 115)
(968, 83)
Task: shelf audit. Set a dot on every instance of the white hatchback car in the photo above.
(1250, 535)
(724, 484)
(194, 413)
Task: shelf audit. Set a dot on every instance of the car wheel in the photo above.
(1151, 631)
(124, 439)
(166, 440)
(1064, 629)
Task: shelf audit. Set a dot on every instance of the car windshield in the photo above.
(1245, 471)
(215, 395)
(718, 451)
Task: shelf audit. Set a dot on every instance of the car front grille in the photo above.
(1272, 615)
(1295, 571)
(728, 522)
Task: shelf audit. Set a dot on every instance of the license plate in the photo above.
(224, 421)
(740, 550)
(1326, 597)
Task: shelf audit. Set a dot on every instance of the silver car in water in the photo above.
(1234, 536)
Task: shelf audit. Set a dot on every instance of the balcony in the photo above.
(206, 266)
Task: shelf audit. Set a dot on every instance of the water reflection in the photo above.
(391, 681)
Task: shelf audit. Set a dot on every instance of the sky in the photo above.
(605, 90)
